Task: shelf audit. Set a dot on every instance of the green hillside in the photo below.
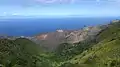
(22, 53)
(105, 53)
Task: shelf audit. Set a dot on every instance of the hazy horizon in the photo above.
(31, 27)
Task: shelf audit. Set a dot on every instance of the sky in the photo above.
(59, 8)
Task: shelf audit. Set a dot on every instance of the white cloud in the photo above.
(14, 14)
(4, 14)
(97, 0)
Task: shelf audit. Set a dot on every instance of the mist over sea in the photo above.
(34, 26)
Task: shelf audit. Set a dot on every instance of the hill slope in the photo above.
(105, 53)
(22, 53)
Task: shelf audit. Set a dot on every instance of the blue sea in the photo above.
(34, 26)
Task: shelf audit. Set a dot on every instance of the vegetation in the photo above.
(102, 51)
(21, 53)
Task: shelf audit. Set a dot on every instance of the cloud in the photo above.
(55, 1)
(75, 1)
(46, 1)
(97, 0)
(4, 13)
(15, 14)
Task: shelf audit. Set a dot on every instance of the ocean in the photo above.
(34, 26)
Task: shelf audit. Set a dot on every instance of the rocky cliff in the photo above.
(52, 39)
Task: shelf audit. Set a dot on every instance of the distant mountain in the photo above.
(52, 40)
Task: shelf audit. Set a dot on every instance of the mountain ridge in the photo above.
(63, 36)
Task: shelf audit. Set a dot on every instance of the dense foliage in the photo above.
(21, 53)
